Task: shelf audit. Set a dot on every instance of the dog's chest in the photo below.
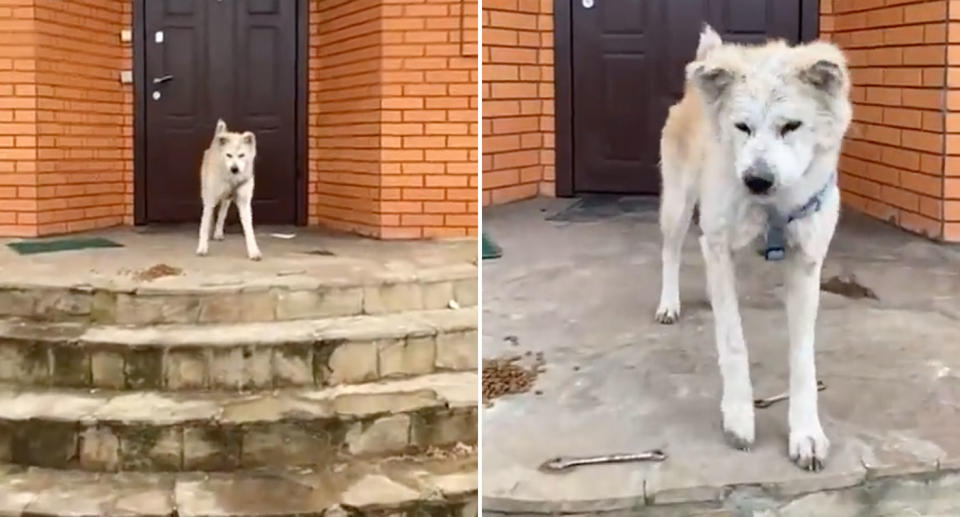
(749, 222)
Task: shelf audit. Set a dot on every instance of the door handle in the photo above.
(162, 79)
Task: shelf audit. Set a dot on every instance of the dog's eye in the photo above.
(241, 155)
(743, 127)
(790, 126)
(229, 155)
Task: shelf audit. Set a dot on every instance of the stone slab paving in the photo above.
(314, 275)
(238, 356)
(584, 295)
(390, 487)
(209, 431)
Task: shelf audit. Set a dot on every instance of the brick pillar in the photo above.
(892, 165)
(65, 139)
(518, 100)
(18, 120)
(393, 117)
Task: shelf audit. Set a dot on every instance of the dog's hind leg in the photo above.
(221, 219)
(737, 401)
(676, 210)
(205, 221)
(244, 200)
(808, 445)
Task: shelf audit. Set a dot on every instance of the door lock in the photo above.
(587, 4)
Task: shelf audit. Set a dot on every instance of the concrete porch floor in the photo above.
(311, 255)
(584, 292)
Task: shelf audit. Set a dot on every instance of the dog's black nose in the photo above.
(758, 184)
(234, 169)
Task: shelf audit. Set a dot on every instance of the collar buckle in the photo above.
(775, 248)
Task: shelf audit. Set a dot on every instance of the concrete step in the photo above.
(395, 487)
(240, 356)
(119, 299)
(208, 431)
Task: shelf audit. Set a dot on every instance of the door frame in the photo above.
(140, 109)
(563, 77)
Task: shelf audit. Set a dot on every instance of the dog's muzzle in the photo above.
(759, 179)
(234, 169)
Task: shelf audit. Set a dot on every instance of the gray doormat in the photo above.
(596, 207)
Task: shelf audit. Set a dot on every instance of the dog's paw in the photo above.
(218, 236)
(809, 448)
(202, 251)
(255, 256)
(738, 427)
(668, 314)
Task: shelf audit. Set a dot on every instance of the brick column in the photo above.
(892, 165)
(518, 93)
(65, 133)
(393, 117)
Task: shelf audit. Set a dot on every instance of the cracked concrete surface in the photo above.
(584, 294)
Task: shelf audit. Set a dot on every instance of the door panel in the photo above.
(628, 58)
(234, 60)
(265, 54)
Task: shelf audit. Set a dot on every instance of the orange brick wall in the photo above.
(344, 114)
(18, 112)
(518, 105)
(951, 183)
(84, 149)
(892, 165)
(394, 117)
(65, 158)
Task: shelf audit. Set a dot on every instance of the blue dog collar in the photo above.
(776, 242)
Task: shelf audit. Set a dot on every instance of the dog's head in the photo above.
(237, 150)
(774, 106)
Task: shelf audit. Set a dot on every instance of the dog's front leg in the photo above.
(244, 200)
(205, 222)
(221, 219)
(737, 400)
(808, 446)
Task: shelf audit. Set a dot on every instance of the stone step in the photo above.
(240, 356)
(188, 299)
(209, 431)
(395, 487)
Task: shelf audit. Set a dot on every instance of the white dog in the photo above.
(226, 176)
(755, 140)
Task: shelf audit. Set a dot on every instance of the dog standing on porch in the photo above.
(755, 141)
(226, 176)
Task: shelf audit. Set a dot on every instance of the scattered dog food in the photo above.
(505, 376)
(513, 340)
(847, 286)
(157, 271)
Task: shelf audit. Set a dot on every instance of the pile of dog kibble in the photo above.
(504, 376)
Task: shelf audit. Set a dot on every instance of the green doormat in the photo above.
(47, 246)
(490, 250)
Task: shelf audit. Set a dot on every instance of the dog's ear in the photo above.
(709, 40)
(249, 138)
(221, 127)
(222, 141)
(823, 75)
(713, 81)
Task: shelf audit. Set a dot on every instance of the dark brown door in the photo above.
(210, 59)
(628, 66)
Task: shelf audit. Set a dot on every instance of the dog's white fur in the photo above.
(226, 176)
(705, 158)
